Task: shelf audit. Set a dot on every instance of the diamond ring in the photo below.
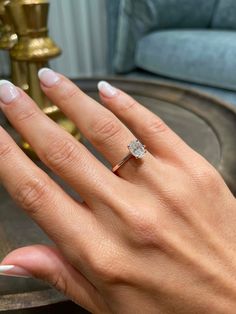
(136, 149)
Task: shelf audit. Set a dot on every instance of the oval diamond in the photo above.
(137, 149)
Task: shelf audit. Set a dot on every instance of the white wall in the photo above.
(79, 28)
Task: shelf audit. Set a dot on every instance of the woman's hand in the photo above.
(158, 236)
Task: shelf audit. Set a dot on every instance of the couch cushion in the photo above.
(225, 15)
(200, 56)
(140, 17)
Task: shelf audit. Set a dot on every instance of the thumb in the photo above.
(47, 263)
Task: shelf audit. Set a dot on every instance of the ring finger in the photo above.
(161, 140)
(99, 125)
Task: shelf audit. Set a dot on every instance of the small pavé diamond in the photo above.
(137, 149)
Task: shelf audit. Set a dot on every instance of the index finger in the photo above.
(40, 196)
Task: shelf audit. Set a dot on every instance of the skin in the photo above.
(156, 237)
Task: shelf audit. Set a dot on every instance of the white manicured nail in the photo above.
(107, 89)
(48, 77)
(14, 271)
(8, 92)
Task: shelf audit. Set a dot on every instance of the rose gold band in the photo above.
(116, 167)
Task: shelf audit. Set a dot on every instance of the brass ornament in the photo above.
(8, 37)
(32, 49)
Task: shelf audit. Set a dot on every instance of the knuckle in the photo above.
(106, 270)
(5, 150)
(207, 177)
(107, 267)
(59, 282)
(25, 115)
(60, 152)
(105, 129)
(149, 231)
(129, 105)
(179, 201)
(146, 231)
(70, 91)
(32, 194)
(155, 127)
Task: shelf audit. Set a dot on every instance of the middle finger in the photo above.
(58, 149)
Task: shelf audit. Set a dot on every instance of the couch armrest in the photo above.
(138, 18)
(225, 15)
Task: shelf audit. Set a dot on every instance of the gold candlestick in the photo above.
(34, 49)
(8, 38)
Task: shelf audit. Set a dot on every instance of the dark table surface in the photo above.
(205, 123)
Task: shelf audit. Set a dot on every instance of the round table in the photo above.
(207, 124)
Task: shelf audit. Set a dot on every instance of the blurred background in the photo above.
(79, 28)
(190, 42)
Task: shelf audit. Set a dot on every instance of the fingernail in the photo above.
(8, 92)
(48, 77)
(107, 89)
(14, 271)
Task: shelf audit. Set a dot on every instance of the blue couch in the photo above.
(191, 42)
